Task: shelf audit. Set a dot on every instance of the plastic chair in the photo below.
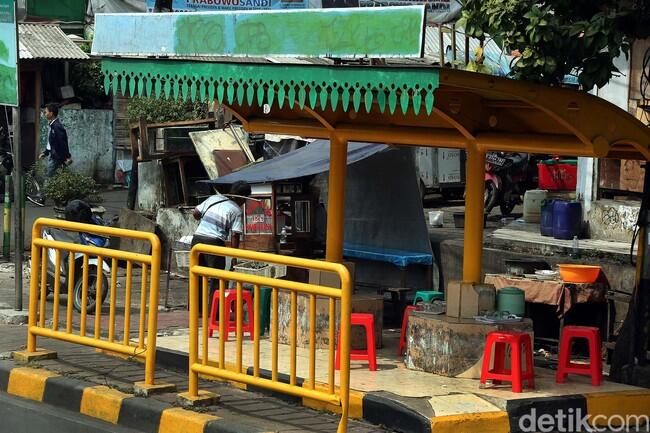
(231, 305)
(367, 354)
(402, 337)
(426, 296)
(566, 367)
(517, 341)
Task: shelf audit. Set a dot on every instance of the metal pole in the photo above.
(336, 199)
(18, 213)
(6, 226)
(474, 211)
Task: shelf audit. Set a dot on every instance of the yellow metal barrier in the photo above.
(78, 258)
(330, 393)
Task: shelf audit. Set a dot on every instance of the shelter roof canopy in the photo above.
(423, 106)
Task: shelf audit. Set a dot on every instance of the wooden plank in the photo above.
(639, 47)
(352, 32)
(182, 123)
(143, 142)
(609, 173)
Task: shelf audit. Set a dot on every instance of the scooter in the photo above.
(93, 265)
(507, 177)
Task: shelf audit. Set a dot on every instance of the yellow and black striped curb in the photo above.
(110, 405)
(403, 414)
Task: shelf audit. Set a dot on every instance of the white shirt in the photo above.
(220, 219)
(49, 128)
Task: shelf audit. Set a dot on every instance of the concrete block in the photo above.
(39, 354)
(451, 347)
(140, 389)
(13, 317)
(613, 220)
(204, 398)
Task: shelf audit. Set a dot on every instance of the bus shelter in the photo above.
(399, 103)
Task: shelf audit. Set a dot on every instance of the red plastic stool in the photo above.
(565, 366)
(402, 337)
(517, 341)
(231, 305)
(368, 354)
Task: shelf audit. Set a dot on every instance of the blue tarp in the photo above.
(399, 258)
(306, 161)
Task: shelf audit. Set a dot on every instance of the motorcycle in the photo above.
(507, 177)
(93, 264)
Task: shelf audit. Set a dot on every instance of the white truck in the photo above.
(441, 171)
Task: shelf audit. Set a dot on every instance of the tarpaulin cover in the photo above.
(398, 258)
(309, 160)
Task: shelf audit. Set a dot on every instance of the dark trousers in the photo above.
(209, 261)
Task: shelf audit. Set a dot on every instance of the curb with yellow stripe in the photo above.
(394, 412)
(150, 415)
(110, 405)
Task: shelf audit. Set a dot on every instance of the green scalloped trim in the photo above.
(319, 87)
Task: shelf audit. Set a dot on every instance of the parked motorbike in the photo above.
(81, 213)
(507, 177)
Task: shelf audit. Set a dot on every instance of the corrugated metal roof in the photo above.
(47, 41)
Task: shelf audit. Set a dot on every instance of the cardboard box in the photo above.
(369, 303)
(466, 300)
(329, 279)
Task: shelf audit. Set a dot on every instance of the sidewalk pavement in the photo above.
(100, 385)
(418, 402)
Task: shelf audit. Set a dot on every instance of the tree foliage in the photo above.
(560, 37)
(164, 110)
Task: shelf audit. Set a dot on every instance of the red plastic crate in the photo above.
(558, 177)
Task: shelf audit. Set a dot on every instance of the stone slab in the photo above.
(13, 317)
(451, 347)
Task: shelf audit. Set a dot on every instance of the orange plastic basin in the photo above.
(579, 273)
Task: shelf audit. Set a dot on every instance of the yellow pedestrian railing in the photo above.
(200, 364)
(57, 266)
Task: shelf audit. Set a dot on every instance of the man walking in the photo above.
(220, 218)
(57, 142)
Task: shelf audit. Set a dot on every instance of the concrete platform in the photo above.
(415, 401)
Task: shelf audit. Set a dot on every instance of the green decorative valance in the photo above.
(327, 87)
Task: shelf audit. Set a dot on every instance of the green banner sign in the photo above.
(355, 32)
(8, 54)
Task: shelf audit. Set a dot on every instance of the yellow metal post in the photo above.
(33, 291)
(474, 214)
(152, 325)
(344, 373)
(193, 390)
(336, 198)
